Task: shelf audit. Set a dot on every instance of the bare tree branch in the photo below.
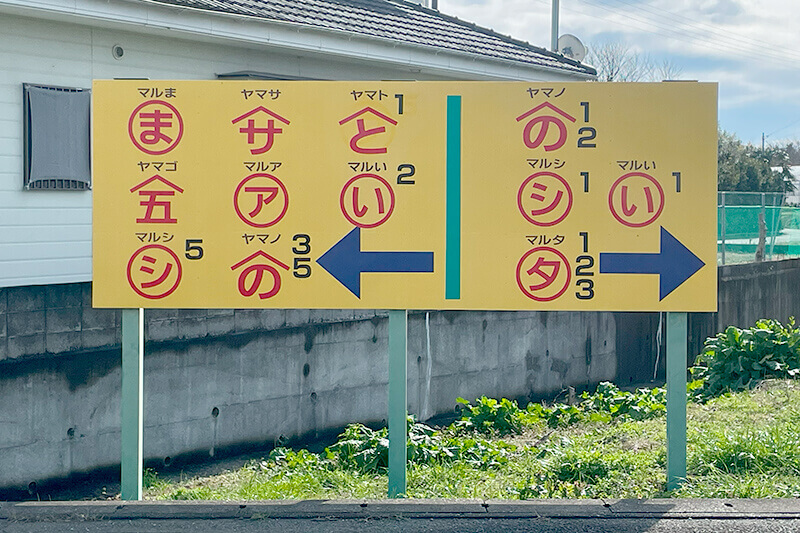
(616, 61)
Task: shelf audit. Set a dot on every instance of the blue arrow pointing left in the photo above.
(345, 261)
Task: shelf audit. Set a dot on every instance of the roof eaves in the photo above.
(581, 70)
(507, 38)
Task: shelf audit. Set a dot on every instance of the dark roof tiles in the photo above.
(396, 20)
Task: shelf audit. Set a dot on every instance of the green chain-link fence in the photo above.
(738, 227)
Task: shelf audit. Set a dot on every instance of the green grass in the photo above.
(744, 444)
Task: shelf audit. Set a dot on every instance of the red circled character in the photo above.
(261, 200)
(636, 199)
(155, 127)
(544, 199)
(154, 271)
(367, 200)
(543, 274)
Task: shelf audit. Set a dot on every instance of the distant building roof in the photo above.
(394, 20)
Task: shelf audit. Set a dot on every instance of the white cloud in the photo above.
(750, 47)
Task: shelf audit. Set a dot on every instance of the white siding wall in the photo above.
(45, 236)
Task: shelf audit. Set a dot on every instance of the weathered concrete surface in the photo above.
(225, 380)
(758, 290)
(747, 293)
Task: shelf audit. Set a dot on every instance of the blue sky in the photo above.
(750, 47)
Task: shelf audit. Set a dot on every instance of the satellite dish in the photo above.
(571, 47)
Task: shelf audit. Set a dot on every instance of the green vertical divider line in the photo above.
(131, 407)
(452, 271)
(398, 431)
(676, 399)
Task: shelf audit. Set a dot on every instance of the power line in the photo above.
(701, 26)
(784, 127)
(670, 32)
(673, 32)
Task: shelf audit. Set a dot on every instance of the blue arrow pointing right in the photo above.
(674, 264)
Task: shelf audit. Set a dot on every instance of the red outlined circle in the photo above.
(172, 145)
(250, 221)
(383, 184)
(560, 213)
(619, 217)
(176, 261)
(529, 293)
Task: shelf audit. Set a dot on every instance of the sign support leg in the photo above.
(676, 399)
(398, 431)
(131, 408)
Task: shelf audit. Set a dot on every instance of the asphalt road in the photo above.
(410, 525)
(406, 516)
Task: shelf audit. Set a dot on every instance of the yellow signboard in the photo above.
(405, 195)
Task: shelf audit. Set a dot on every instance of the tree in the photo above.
(793, 152)
(616, 61)
(746, 168)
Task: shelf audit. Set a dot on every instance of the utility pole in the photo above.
(554, 28)
(762, 141)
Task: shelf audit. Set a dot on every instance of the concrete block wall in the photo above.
(747, 293)
(59, 319)
(220, 380)
(232, 379)
(53, 319)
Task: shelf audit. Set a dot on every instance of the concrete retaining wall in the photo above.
(747, 293)
(225, 380)
(220, 381)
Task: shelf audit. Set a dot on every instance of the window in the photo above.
(56, 138)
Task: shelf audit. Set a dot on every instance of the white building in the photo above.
(45, 235)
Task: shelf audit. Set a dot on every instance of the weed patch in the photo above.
(610, 444)
(739, 359)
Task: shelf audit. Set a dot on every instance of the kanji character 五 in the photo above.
(151, 190)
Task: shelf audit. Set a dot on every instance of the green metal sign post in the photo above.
(676, 399)
(131, 408)
(398, 430)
